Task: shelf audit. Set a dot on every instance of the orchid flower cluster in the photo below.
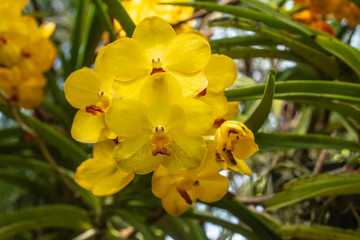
(152, 104)
(340, 9)
(25, 53)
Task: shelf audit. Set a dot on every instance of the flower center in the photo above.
(156, 66)
(159, 139)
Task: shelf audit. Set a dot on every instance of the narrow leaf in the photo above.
(348, 54)
(260, 115)
(119, 12)
(317, 232)
(256, 222)
(280, 141)
(54, 216)
(315, 186)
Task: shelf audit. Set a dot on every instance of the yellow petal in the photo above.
(153, 33)
(88, 128)
(112, 183)
(128, 118)
(217, 101)
(104, 150)
(92, 171)
(241, 167)
(125, 59)
(133, 155)
(186, 153)
(82, 88)
(211, 188)
(47, 29)
(220, 72)
(191, 83)
(191, 117)
(173, 203)
(187, 53)
(162, 180)
(159, 92)
(130, 89)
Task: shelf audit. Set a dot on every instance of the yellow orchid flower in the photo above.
(179, 189)
(221, 73)
(139, 9)
(22, 42)
(161, 127)
(234, 142)
(100, 174)
(91, 92)
(23, 90)
(153, 48)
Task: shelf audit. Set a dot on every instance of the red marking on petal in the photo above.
(3, 40)
(202, 93)
(218, 122)
(163, 151)
(185, 196)
(94, 110)
(25, 54)
(156, 70)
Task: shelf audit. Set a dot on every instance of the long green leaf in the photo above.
(43, 169)
(317, 232)
(348, 92)
(284, 23)
(303, 49)
(104, 16)
(119, 12)
(240, 41)
(248, 52)
(315, 186)
(52, 137)
(280, 141)
(35, 187)
(235, 228)
(54, 216)
(261, 113)
(262, 229)
(81, 7)
(137, 221)
(348, 54)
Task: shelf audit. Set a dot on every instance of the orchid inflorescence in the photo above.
(25, 53)
(152, 104)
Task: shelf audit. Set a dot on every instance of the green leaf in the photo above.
(280, 141)
(235, 228)
(54, 216)
(35, 187)
(261, 113)
(240, 41)
(248, 52)
(119, 12)
(304, 49)
(317, 232)
(256, 222)
(92, 35)
(81, 7)
(136, 221)
(315, 186)
(67, 147)
(347, 92)
(282, 22)
(46, 173)
(348, 54)
(104, 16)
